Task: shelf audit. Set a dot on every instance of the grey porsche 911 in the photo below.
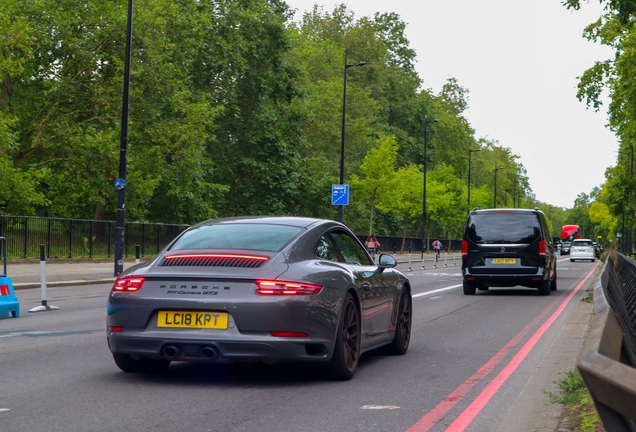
(259, 288)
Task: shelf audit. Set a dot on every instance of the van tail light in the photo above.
(128, 284)
(542, 248)
(269, 287)
(464, 248)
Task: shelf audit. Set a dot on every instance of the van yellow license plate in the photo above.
(504, 261)
(191, 319)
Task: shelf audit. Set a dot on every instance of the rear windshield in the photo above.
(582, 243)
(262, 237)
(505, 228)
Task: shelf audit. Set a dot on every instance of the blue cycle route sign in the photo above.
(339, 194)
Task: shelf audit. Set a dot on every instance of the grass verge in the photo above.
(580, 412)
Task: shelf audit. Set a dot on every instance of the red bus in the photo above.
(570, 232)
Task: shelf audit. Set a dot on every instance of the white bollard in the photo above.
(44, 306)
(445, 259)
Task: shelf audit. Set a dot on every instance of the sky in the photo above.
(520, 62)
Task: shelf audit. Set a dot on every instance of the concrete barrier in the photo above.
(607, 361)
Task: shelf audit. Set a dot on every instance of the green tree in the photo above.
(377, 171)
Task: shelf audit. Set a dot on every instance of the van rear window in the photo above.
(503, 228)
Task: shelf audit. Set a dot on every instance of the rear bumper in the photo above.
(506, 280)
(583, 256)
(254, 347)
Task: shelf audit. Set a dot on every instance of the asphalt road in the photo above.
(469, 359)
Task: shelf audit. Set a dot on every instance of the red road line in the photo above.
(469, 414)
(433, 416)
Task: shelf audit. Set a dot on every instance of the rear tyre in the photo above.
(400, 343)
(571, 260)
(469, 288)
(130, 364)
(553, 282)
(344, 363)
(545, 287)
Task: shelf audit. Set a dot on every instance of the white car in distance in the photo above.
(582, 249)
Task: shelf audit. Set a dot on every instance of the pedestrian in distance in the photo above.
(372, 244)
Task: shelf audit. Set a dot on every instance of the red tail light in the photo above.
(266, 287)
(542, 248)
(115, 329)
(289, 334)
(464, 248)
(128, 284)
(4, 290)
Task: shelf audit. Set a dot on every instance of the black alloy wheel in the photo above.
(128, 363)
(344, 363)
(402, 338)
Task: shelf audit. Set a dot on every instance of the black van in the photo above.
(508, 247)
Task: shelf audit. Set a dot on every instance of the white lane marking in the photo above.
(4, 410)
(427, 293)
(436, 297)
(379, 407)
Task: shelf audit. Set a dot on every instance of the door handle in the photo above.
(366, 286)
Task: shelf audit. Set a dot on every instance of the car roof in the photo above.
(506, 210)
(300, 222)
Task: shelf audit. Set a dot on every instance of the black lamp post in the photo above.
(470, 152)
(426, 123)
(342, 140)
(120, 184)
(496, 169)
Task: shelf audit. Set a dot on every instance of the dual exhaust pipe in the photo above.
(172, 352)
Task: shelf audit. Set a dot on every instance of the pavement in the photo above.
(532, 411)
(26, 274)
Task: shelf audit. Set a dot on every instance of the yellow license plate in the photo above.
(188, 319)
(504, 260)
(582, 250)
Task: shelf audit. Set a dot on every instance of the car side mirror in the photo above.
(386, 261)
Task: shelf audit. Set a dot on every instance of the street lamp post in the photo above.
(424, 248)
(470, 152)
(120, 184)
(342, 139)
(496, 169)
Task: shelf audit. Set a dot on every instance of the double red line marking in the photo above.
(467, 416)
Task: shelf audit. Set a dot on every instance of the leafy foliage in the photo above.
(235, 108)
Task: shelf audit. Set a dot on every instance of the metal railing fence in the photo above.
(413, 244)
(81, 238)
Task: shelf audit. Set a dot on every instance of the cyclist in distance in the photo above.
(437, 247)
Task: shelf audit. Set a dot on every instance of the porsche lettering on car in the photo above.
(259, 288)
